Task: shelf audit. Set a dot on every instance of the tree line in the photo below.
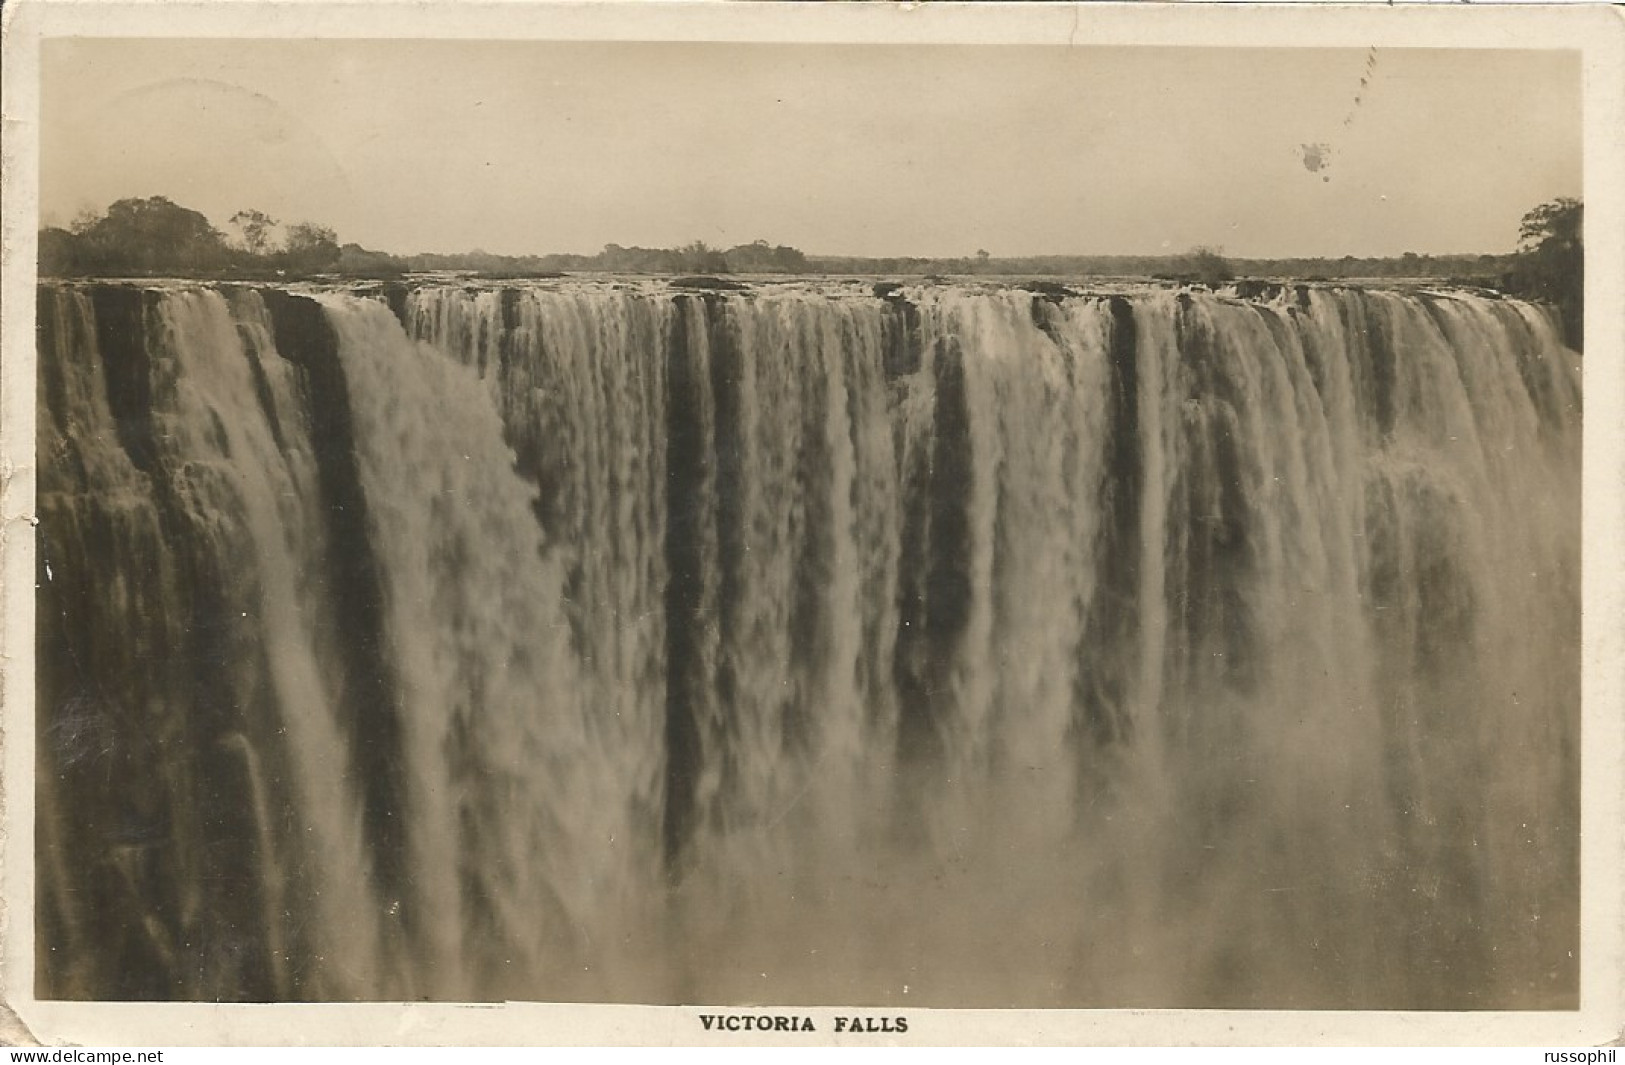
(154, 236)
(157, 237)
(696, 257)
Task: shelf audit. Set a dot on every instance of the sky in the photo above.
(848, 149)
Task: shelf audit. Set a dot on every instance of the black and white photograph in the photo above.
(756, 525)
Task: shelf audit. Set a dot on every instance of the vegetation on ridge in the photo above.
(157, 237)
(1550, 264)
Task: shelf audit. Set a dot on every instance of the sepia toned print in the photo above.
(765, 524)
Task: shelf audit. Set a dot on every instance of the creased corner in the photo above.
(13, 1032)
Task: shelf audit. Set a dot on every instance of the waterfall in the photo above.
(944, 645)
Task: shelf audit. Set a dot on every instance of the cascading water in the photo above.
(950, 646)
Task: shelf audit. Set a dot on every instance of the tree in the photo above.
(58, 252)
(1553, 228)
(1550, 263)
(760, 257)
(152, 235)
(1208, 266)
(789, 260)
(703, 258)
(311, 247)
(356, 261)
(254, 230)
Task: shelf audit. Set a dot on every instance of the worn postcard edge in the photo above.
(1597, 32)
